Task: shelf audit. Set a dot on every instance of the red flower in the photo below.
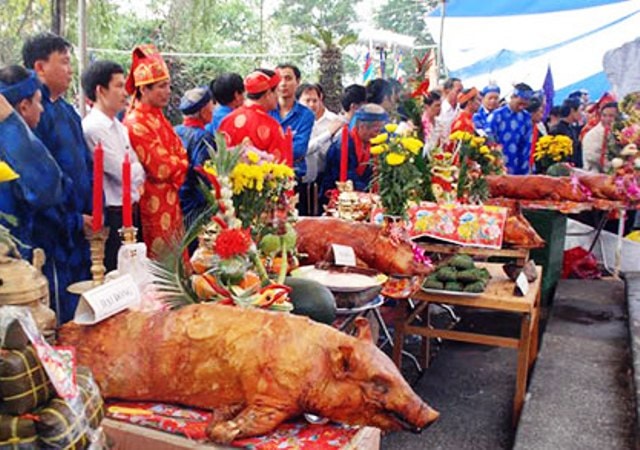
(232, 242)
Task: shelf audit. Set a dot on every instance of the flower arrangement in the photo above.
(476, 159)
(261, 188)
(624, 140)
(249, 203)
(552, 150)
(397, 177)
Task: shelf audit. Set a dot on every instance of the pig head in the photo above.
(362, 386)
(254, 368)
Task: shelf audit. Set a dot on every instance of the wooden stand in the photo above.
(127, 436)
(498, 296)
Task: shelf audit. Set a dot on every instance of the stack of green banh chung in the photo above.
(459, 274)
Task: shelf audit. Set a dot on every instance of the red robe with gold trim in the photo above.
(165, 163)
(464, 122)
(254, 123)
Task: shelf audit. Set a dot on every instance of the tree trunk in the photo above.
(331, 77)
(58, 14)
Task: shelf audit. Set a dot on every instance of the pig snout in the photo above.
(414, 419)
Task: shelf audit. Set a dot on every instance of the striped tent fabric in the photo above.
(510, 41)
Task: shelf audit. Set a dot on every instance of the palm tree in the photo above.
(331, 68)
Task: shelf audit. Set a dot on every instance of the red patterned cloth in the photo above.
(254, 123)
(165, 163)
(192, 423)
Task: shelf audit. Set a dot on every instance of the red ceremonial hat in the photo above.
(147, 67)
(606, 98)
(464, 97)
(258, 81)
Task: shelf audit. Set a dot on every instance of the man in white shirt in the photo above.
(326, 125)
(451, 88)
(104, 84)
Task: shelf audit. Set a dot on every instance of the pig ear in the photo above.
(363, 329)
(342, 361)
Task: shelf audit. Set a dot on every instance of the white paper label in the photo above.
(523, 283)
(343, 255)
(107, 300)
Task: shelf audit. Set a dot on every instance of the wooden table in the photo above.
(520, 255)
(127, 436)
(498, 296)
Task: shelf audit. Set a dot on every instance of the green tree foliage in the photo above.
(301, 15)
(331, 65)
(19, 19)
(407, 18)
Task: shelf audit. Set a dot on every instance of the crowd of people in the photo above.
(46, 141)
(517, 122)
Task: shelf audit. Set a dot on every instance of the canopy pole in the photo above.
(82, 53)
(440, 58)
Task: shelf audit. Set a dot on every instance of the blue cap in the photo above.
(194, 100)
(490, 88)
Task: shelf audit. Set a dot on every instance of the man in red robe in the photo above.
(158, 147)
(252, 121)
(469, 102)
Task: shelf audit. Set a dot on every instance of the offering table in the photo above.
(499, 296)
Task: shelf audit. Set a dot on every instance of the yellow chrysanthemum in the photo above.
(412, 144)
(378, 149)
(253, 156)
(395, 159)
(379, 139)
(460, 136)
(391, 127)
(484, 150)
(477, 141)
(7, 173)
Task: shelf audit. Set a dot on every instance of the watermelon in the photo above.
(312, 299)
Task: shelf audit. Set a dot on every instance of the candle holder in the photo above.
(128, 235)
(97, 242)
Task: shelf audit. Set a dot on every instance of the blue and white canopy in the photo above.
(509, 41)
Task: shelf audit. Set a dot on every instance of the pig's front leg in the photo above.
(254, 420)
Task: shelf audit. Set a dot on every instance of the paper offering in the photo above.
(107, 300)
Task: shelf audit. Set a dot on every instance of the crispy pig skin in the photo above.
(535, 187)
(255, 368)
(372, 245)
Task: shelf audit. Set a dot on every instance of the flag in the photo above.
(549, 93)
(383, 63)
(367, 73)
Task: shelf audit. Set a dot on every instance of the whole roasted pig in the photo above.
(537, 187)
(372, 244)
(518, 231)
(601, 185)
(255, 368)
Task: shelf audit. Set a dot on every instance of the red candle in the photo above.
(288, 135)
(98, 173)
(344, 153)
(127, 218)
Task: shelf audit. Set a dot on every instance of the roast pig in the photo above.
(372, 244)
(255, 368)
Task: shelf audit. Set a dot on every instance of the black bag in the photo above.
(24, 384)
(17, 433)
